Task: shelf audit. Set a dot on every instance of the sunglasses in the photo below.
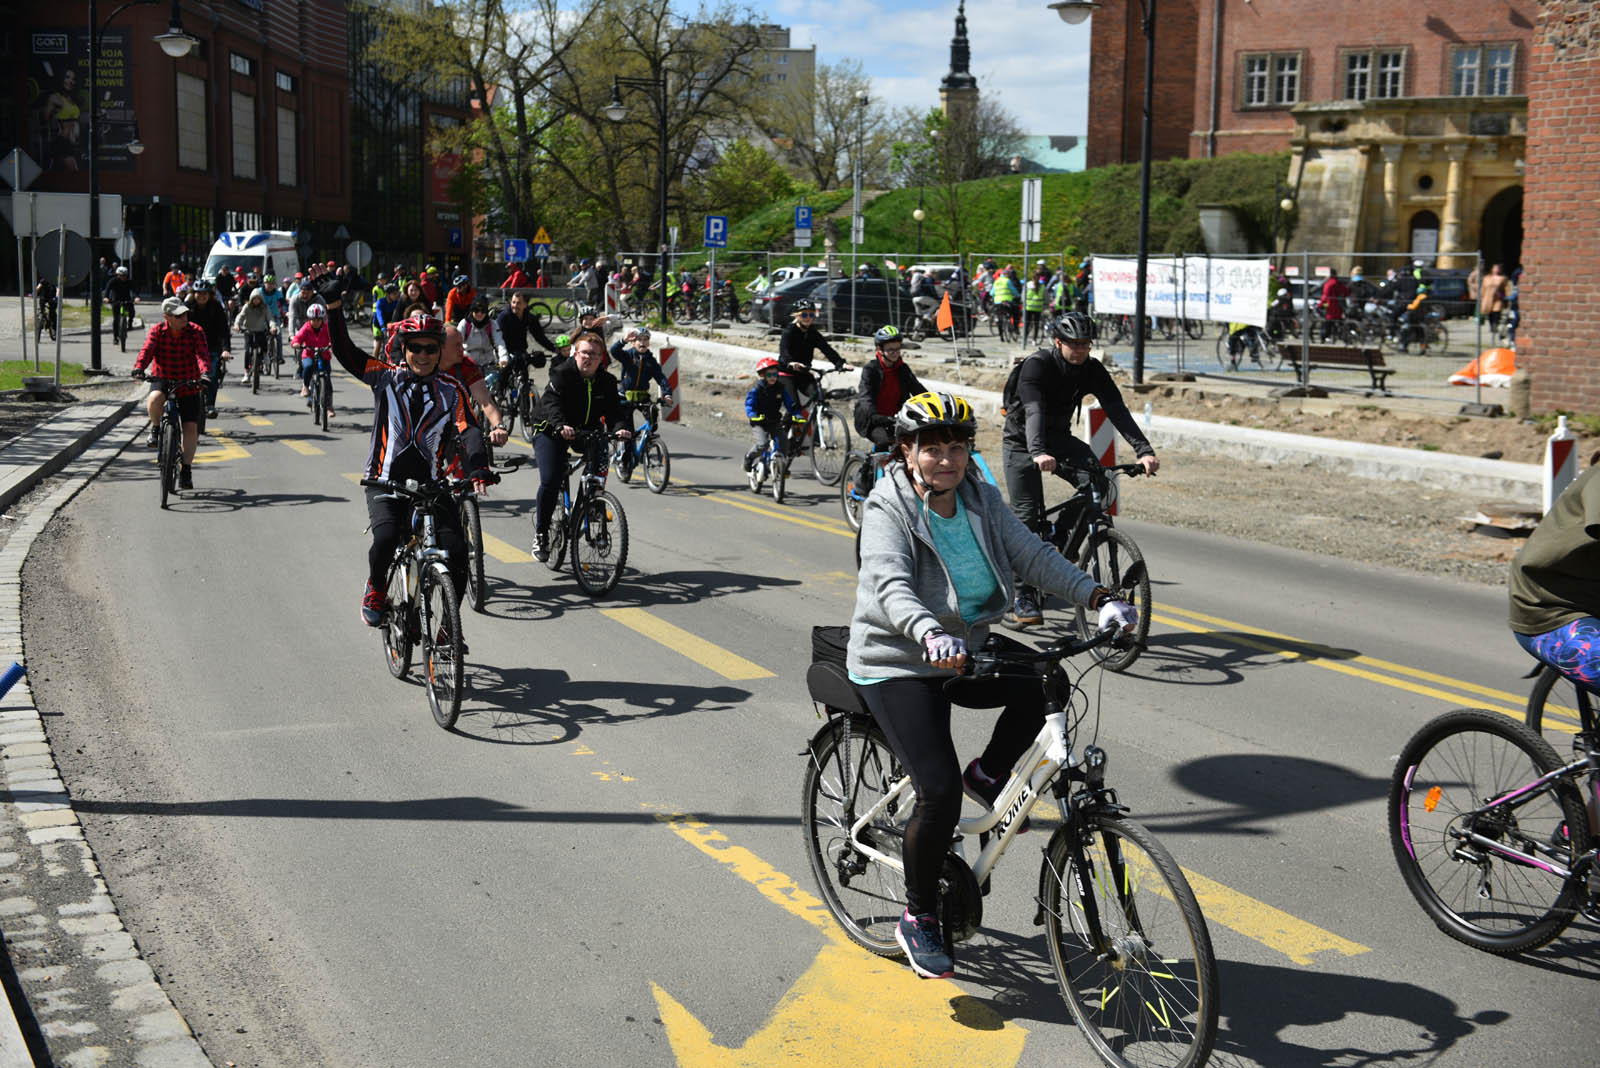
(422, 350)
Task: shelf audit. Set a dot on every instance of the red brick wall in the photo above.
(1560, 293)
(1116, 81)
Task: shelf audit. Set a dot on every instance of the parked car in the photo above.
(861, 306)
(1447, 290)
(789, 274)
(775, 305)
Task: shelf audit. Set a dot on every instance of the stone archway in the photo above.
(1501, 234)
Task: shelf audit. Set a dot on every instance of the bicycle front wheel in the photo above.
(169, 460)
(441, 645)
(848, 771)
(525, 403)
(566, 309)
(599, 544)
(321, 399)
(829, 445)
(657, 464)
(1449, 837)
(472, 526)
(1112, 559)
(853, 488)
(396, 628)
(1130, 945)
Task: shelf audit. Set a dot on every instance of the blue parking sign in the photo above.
(802, 218)
(716, 231)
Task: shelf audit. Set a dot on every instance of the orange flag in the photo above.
(946, 319)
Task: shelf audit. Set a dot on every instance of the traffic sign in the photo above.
(802, 218)
(516, 249)
(47, 253)
(716, 231)
(126, 246)
(18, 169)
(1032, 208)
(358, 254)
(858, 229)
(802, 239)
(541, 251)
(541, 238)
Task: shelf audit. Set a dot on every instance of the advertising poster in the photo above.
(58, 99)
(1189, 287)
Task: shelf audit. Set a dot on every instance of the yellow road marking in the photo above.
(504, 551)
(727, 664)
(353, 476)
(257, 420)
(230, 450)
(304, 448)
(771, 511)
(1272, 927)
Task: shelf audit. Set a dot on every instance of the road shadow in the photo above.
(1214, 657)
(204, 501)
(1255, 792)
(559, 593)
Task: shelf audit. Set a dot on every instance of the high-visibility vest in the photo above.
(1004, 290)
(1033, 297)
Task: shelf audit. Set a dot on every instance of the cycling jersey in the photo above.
(880, 393)
(768, 403)
(118, 290)
(1049, 391)
(457, 303)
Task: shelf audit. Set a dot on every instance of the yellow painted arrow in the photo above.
(851, 1008)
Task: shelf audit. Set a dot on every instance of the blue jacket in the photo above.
(768, 402)
(635, 370)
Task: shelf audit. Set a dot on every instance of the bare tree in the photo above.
(820, 129)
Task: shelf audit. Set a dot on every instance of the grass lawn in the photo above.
(11, 372)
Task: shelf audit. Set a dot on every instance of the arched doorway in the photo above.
(1501, 238)
(1425, 236)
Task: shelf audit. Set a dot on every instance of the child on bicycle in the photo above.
(939, 547)
(315, 346)
(766, 405)
(636, 367)
(254, 321)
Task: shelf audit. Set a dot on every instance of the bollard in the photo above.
(1560, 461)
(12, 676)
(669, 368)
(1103, 442)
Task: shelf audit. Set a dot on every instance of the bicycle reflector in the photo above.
(1431, 801)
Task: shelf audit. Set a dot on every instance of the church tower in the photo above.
(958, 91)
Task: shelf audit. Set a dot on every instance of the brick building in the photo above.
(1560, 293)
(1116, 81)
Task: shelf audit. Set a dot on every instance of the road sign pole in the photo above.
(711, 281)
(61, 282)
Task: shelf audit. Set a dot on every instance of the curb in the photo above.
(81, 425)
(38, 810)
(1446, 471)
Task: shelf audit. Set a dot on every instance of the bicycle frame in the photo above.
(1545, 784)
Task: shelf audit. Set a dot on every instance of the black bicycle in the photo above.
(420, 603)
(466, 495)
(321, 386)
(513, 395)
(44, 319)
(169, 446)
(121, 322)
(255, 354)
(1081, 528)
(590, 526)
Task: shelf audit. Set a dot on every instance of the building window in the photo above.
(1483, 70)
(241, 64)
(286, 82)
(1269, 79)
(1377, 74)
(783, 57)
(191, 122)
(244, 135)
(288, 157)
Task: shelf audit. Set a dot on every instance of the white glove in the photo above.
(505, 357)
(1119, 616)
(940, 645)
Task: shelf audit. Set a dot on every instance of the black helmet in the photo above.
(480, 305)
(200, 285)
(1073, 326)
(391, 287)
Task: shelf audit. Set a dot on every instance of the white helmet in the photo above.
(316, 311)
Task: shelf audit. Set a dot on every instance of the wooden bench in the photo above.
(1343, 358)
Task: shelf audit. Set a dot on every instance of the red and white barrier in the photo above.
(613, 299)
(1560, 461)
(668, 355)
(1103, 440)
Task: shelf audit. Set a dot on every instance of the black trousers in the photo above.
(914, 714)
(550, 453)
(391, 525)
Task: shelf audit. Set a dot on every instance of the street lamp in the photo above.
(616, 111)
(1280, 210)
(176, 44)
(919, 215)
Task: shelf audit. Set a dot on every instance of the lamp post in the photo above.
(176, 44)
(1073, 12)
(616, 111)
(1281, 208)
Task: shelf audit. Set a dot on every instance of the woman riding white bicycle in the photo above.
(939, 548)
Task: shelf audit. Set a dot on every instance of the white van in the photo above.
(267, 251)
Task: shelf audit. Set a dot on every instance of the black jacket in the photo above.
(1049, 390)
(213, 318)
(866, 412)
(515, 333)
(573, 400)
(800, 344)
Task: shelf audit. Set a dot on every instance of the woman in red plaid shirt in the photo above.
(175, 351)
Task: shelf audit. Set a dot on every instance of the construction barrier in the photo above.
(1103, 442)
(1560, 461)
(668, 357)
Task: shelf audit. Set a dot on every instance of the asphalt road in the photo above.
(603, 866)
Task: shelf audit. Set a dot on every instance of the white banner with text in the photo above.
(1185, 287)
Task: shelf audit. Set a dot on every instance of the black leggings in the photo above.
(391, 525)
(550, 453)
(914, 714)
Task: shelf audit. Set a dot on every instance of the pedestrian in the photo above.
(1490, 294)
(1331, 303)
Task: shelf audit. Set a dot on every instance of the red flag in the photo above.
(946, 319)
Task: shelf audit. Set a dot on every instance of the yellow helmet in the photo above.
(932, 411)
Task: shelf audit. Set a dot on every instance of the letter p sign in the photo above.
(716, 231)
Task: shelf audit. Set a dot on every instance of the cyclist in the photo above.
(429, 285)
(1555, 584)
(765, 405)
(759, 284)
(459, 300)
(1412, 322)
(118, 293)
(1006, 294)
(938, 551)
(924, 296)
(800, 342)
(44, 297)
(206, 312)
(175, 350)
(172, 281)
(313, 343)
(385, 310)
(517, 279)
(579, 397)
(273, 296)
(886, 384)
(516, 327)
(477, 334)
(255, 323)
(1050, 384)
(419, 423)
(636, 367)
(592, 319)
(301, 297)
(454, 361)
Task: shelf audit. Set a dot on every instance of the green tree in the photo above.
(741, 181)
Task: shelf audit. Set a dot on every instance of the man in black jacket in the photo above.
(886, 384)
(206, 312)
(580, 396)
(1038, 438)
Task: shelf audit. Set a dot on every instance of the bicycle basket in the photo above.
(828, 644)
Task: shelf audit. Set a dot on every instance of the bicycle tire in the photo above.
(526, 403)
(620, 465)
(566, 309)
(657, 464)
(829, 445)
(911, 328)
(780, 478)
(1447, 769)
(1570, 702)
(443, 669)
(1226, 360)
(1132, 1014)
(1439, 337)
(757, 475)
(395, 631)
(852, 498)
(169, 459)
(1112, 559)
(1194, 329)
(255, 371)
(540, 309)
(472, 526)
(599, 544)
(1273, 353)
(319, 401)
(865, 897)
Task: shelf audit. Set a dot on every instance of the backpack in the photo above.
(1008, 394)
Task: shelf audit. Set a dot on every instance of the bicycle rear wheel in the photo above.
(169, 459)
(442, 658)
(853, 488)
(599, 544)
(1112, 559)
(566, 309)
(657, 464)
(396, 631)
(829, 445)
(472, 526)
(865, 896)
(1452, 767)
(1130, 945)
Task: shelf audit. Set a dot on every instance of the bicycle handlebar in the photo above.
(984, 661)
(419, 491)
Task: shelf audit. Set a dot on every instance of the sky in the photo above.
(1022, 52)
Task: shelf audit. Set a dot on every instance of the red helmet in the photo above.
(765, 364)
(420, 325)
(332, 264)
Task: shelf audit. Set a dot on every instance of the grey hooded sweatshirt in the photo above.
(904, 590)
